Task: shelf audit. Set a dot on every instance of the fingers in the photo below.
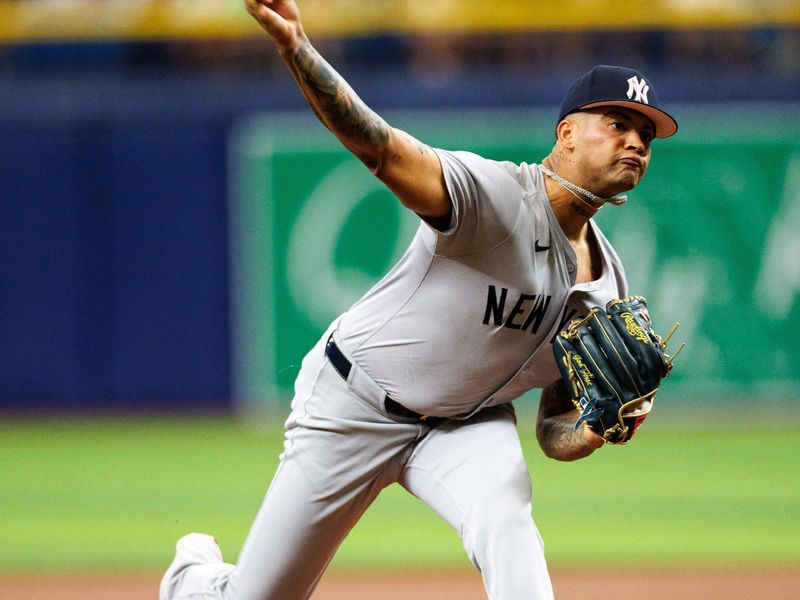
(258, 9)
(277, 18)
(286, 9)
(261, 9)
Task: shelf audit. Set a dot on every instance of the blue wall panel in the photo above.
(114, 266)
(170, 297)
(40, 267)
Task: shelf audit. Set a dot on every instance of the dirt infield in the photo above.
(718, 584)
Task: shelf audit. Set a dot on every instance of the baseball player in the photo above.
(414, 383)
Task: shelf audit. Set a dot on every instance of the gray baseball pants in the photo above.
(341, 449)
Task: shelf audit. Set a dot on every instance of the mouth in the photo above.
(631, 161)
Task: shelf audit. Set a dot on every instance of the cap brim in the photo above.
(665, 125)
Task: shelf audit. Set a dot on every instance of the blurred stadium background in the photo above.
(177, 229)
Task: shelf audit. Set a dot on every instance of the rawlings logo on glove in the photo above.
(613, 362)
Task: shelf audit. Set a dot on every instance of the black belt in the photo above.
(343, 365)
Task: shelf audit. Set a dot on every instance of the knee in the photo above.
(499, 512)
(495, 531)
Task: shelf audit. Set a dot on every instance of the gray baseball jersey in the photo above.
(465, 318)
(463, 322)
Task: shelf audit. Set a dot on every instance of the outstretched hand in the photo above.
(279, 18)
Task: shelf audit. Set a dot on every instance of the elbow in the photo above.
(375, 160)
(545, 444)
(566, 457)
(375, 150)
(559, 441)
(372, 158)
(555, 454)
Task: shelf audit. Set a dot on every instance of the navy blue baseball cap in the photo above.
(607, 85)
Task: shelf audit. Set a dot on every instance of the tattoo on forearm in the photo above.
(561, 436)
(333, 101)
(556, 425)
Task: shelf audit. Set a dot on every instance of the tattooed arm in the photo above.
(408, 167)
(555, 427)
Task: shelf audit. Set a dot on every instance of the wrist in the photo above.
(590, 438)
(290, 48)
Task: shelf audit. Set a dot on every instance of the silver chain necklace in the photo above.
(616, 200)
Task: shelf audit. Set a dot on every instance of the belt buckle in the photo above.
(432, 420)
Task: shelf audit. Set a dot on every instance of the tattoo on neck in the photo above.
(558, 158)
(333, 100)
(581, 210)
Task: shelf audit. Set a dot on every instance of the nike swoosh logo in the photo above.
(539, 248)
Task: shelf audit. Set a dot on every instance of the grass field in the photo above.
(104, 495)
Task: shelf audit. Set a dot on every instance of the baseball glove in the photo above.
(613, 362)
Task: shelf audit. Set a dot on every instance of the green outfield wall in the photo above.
(710, 238)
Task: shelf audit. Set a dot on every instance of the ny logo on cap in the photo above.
(639, 87)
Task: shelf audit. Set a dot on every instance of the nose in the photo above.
(634, 142)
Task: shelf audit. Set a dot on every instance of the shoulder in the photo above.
(528, 174)
(473, 170)
(477, 165)
(486, 197)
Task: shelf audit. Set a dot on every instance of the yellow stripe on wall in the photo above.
(42, 20)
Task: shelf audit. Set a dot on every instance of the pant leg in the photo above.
(473, 474)
(339, 452)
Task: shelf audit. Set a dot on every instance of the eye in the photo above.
(618, 125)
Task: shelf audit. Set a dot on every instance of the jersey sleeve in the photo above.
(486, 198)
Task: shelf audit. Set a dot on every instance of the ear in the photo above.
(566, 131)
